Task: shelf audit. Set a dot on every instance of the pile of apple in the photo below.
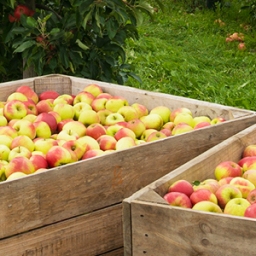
(46, 130)
(232, 191)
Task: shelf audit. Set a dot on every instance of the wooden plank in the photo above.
(164, 230)
(117, 252)
(90, 234)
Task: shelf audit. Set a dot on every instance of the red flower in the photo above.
(19, 10)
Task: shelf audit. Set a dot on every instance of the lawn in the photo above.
(183, 51)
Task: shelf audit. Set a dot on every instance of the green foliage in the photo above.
(84, 38)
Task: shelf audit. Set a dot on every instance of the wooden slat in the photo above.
(92, 234)
(164, 230)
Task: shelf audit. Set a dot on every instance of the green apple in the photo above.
(163, 111)
(89, 142)
(79, 107)
(152, 121)
(244, 185)
(17, 96)
(16, 175)
(200, 119)
(75, 127)
(43, 130)
(23, 140)
(156, 136)
(30, 117)
(44, 144)
(250, 175)
(177, 111)
(184, 118)
(137, 126)
(141, 109)
(3, 121)
(113, 129)
(114, 104)
(65, 111)
(83, 96)
(6, 140)
(25, 127)
(99, 104)
(88, 117)
(128, 112)
(8, 130)
(19, 151)
(64, 98)
(125, 143)
(181, 128)
(102, 114)
(4, 152)
(114, 118)
(146, 133)
(67, 135)
(207, 206)
(94, 89)
(76, 146)
(236, 206)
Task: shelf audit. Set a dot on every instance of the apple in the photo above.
(16, 175)
(38, 161)
(217, 120)
(8, 130)
(30, 117)
(17, 96)
(137, 126)
(139, 142)
(156, 136)
(75, 127)
(225, 193)
(227, 169)
(83, 96)
(244, 185)
(92, 153)
(89, 142)
(102, 114)
(99, 104)
(64, 98)
(23, 140)
(4, 152)
(201, 125)
(210, 184)
(249, 150)
(65, 111)
(124, 132)
(57, 156)
(181, 128)
(3, 121)
(178, 199)
(88, 117)
(49, 94)
(19, 151)
(250, 175)
(45, 106)
(79, 107)
(128, 112)
(247, 162)
(251, 197)
(169, 125)
(141, 109)
(152, 121)
(162, 111)
(166, 131)
(250, 211)
(25, 127)
(184, 118)
(76, 146)
(114, 118)
(203, 195)
(15, 109)
(49, 119)
(182, 186)
(114, 104)
(94, 89)
(3, 164)
(107, 142)
(177, 111)
(67, 135)
(62, 123)
(96, 130)
(124, 143)
(44, 144)
(146, 133)
(19, 164)
(201, 119)
(207, 206)
(56, 116)
(236, 206)
(113, 129)
(43, 130)
(28, 92)
(104, 95)
(6, 140)
(225, 180)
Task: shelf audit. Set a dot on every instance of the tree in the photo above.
(84, 38)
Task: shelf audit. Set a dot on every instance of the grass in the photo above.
(185, 53)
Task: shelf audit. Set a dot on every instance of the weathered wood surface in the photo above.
(96, 233)
(184, 232)
(164, 230)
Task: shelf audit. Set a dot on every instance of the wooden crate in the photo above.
(153, 227)
(76, 209)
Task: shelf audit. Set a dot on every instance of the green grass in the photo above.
(185, 53)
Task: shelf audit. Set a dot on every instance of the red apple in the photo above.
(178, 199)
(50, 94)
(182, 186)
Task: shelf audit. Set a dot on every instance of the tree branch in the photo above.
(43, 7)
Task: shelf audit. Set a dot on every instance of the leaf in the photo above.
(31, 22)
(82, 45)
(112, 28)
(25, 46)
(54, 31)
(86, 18)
